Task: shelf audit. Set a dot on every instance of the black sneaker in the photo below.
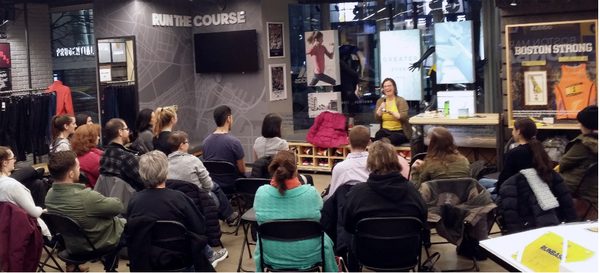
(233, 219)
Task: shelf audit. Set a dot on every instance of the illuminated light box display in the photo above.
(395, 62)
(454, 52)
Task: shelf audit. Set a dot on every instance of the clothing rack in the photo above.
(119, 83)
(30, 91)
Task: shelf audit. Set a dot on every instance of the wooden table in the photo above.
(480, 120)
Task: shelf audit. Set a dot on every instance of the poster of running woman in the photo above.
(551, 71)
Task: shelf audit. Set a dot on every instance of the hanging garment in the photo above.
(64, 100)
(574, 91)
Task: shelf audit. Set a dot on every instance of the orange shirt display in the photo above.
(574, 91)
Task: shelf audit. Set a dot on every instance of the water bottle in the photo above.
(446, 108)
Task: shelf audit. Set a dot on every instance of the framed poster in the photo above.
(536, 91)
(118, 52)
(322, 58)
(277, 82)
(5, 79)
(275, 40)
(325, 101)
(5, 59)
(104, 53)
(551, 71)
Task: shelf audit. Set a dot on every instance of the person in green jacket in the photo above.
(581, 153)
(95, 213)
(443, 159)
(286, 198)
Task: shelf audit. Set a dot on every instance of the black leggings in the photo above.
(322, 77)
(395, 137)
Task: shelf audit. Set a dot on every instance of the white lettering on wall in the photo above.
(172, 20)
(87, 50)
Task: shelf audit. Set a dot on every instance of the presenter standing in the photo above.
(392, 112)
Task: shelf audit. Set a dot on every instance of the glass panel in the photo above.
(73, 57)
(358, 25)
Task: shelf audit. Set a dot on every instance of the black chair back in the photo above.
(246, 189)
(67, 228)
(388, 243)
(290, 231)
(223, 173)
(174, 248)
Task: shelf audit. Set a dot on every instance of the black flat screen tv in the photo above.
(226, 52)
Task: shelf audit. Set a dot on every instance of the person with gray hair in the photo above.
(156, 202)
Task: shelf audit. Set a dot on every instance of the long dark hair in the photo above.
(58, 124)
(271, 126)
(283, 167)
(142, 123)
(541, 161)
(441, 145)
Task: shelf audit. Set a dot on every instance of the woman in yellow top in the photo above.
(392, 112)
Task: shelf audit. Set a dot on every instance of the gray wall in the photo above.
(39, 47)
(166, 64)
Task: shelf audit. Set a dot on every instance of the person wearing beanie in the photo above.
(580, 153)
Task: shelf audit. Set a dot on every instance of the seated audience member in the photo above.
(117, 160)
(84, 143)
(386, 193)
(392, 112)
(96, 214)
(62, 127)
(143, 131)
(81, 119)
(186, 167)
(270, 142)
(14, 192)
(166, 118)
(354, 167)
(535, 196)
(284, 199)
(222, 146)
(523, 156)
(443, 159)
(581, 152)
(157, 202)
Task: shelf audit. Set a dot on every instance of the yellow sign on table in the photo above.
(546, 252)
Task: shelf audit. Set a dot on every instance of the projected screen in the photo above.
(454, 52)
(457, 100)
(399, 49)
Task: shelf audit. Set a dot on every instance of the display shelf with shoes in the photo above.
(312, 158)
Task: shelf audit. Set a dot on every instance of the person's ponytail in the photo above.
(282, 168)
(281, 175)
(541, 161)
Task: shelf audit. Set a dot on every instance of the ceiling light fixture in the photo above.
(513, 3)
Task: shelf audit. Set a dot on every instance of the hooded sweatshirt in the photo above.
(384, 195)
(186, 167)
(581, 153)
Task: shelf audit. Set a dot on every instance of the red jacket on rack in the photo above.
(64, 100)
(328, 130)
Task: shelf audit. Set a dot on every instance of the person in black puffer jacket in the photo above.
(206, 205)
(521, 210)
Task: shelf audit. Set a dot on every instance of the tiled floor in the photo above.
(448, 260)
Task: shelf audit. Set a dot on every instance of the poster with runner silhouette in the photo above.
(322, 58)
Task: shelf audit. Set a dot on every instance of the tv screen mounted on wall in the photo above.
(226, 52)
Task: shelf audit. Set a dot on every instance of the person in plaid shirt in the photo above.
(117, 160)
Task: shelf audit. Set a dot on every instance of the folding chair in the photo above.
(246, 189)
(290, 231)
(69, 229)
(585, 208)
(224, 173)
(389, 243)
(171, 248)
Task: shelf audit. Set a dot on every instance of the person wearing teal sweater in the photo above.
(286, 198)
